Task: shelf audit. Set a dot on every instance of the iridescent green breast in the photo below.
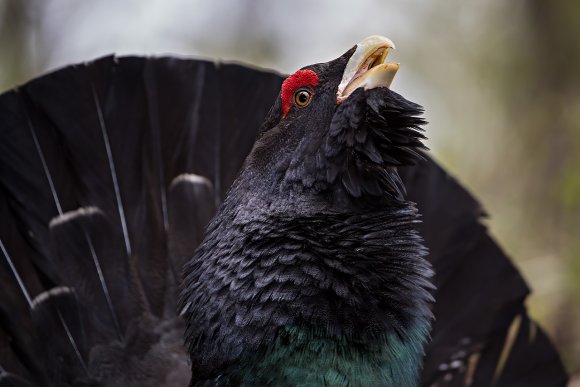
(305, 357)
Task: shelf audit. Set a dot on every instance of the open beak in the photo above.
(367, 68)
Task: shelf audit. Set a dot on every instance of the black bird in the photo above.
(317, 268)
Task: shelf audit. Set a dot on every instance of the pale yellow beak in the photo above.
(367, 68)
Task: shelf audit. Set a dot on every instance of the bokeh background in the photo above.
(500, 81)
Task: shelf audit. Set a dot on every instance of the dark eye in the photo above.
(302, 98)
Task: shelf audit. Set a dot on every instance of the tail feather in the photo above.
(125, 102)
(11, 362)
(94, 222)
(18, 285)
(19, 282)
(104, 149)
(526, 356)
(191, 209)
(479, 291)
(57, 311)
(241, 107)
(15, 275)
(32, 198)
(90, 255)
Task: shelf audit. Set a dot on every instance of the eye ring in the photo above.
(302, 97)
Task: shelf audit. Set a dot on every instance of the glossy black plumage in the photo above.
(154, 144)
(319, 189)
(98, 159)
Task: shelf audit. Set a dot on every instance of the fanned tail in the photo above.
(482, 335)
(109, 172)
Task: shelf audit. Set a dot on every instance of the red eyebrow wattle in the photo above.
(300, 78)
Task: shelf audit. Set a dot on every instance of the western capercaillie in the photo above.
(317, 268)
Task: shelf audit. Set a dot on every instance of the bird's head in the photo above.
(337, 128)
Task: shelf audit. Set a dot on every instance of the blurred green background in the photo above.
(500, 82)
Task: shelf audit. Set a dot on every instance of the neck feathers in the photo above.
(356, 286)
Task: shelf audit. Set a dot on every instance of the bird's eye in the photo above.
(302, 98)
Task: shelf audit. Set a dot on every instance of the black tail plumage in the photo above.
(109, 172)
(482, 335)
(102, 200)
